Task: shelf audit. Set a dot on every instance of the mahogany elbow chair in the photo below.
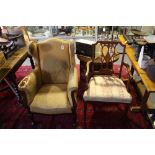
(103, 87)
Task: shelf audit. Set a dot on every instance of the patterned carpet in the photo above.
(15, 116)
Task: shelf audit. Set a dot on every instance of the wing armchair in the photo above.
(51, 87)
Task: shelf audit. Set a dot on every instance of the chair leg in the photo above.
(31, 116)
(85, 114)
(74, 116)
(127, 109)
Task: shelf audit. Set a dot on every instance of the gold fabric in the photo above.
(51, 99)
(73, 83)
(107, 89)
(49, 87)
(54, 61)
(33, 50)
(30, 85)
(71, 53)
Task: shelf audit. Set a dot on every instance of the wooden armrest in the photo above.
(129, 75)
(88, 67)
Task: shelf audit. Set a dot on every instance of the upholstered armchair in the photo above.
(103, 86)
(51, 87)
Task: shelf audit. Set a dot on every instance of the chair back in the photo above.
(106, 56)
(54, 57)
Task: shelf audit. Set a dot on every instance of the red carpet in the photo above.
(13, 115)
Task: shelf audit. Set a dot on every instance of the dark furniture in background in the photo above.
(9, 68)
(15, 49)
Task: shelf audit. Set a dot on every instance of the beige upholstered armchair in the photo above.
(51, 87)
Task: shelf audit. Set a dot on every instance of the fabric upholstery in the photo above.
(30, 85)
(72, 83)
(107, 89)
(54, 61)
(49, 87)
(33, 50)
(72, 50)
(51, 99)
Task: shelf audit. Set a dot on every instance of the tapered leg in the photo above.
(74, 116)
(74, 96)
(85, 115)
(31, 116)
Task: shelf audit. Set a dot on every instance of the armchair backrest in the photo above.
(55, 57)
(106, 55)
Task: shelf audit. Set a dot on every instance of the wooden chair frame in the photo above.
(106, 63)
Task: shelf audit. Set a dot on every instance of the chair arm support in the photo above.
(88, 74)
(72, 86)
(128, 69)
(130, 77)
(30, 85)
(88, 68)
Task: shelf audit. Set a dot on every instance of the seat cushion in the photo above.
(107, 89)
(51, 99)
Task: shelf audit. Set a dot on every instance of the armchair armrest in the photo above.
(88, 74)
(72, 85)
(128, 70)
(130, 77)
(30, 85)
(88, 67)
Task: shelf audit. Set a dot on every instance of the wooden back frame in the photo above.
(106, 60)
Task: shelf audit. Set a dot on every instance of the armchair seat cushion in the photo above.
(51, 99)
(107, 89)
